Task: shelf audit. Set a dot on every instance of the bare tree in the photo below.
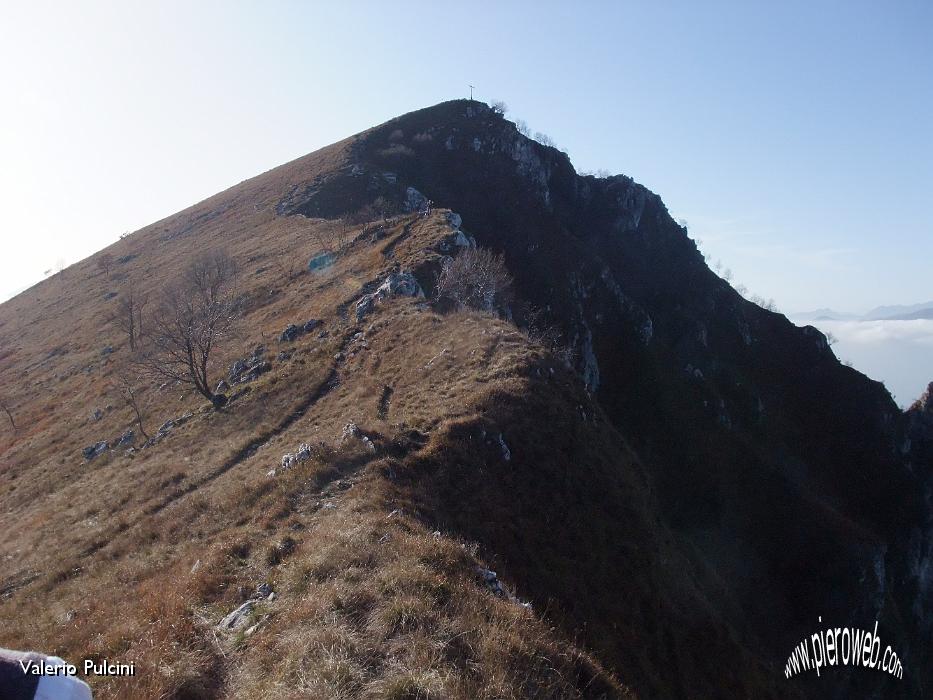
(191, 317)
(327, 236)
(766, 304)
(477, 278)
(9, 414)
(499, 107)
(104, 263)
(130, 396)
(128, 316)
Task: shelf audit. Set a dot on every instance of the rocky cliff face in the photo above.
(792, 478)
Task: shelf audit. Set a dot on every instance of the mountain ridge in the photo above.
(701, 425)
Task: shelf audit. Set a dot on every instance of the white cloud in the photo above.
(879, 332)
(899, 353)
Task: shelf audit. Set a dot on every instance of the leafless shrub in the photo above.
(105, 263)
(522, 127)
(128, 316)
(396, 149)
(191, 317)
(379, 209)
(540, 330)
(477, 278)
(766, 304)
(326, 236)
(129, 393)
(287, 266)
(544, 139)
(499, 107)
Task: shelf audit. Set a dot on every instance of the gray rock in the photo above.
(126, 439)
(239, 617)
(365, 305)
(311, 325)
(107, 350)
(414, 200)
(236, 369)
(256, 370)
(401, 283)
(289, 334)
(454, 220)
(397, 283)
(458, 239)
(506, 452)
(492, 581)
(350, 430)
(263, 590)
(222, 387)
(95, 450)
(98, 414)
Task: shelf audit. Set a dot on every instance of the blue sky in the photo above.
(794, 138)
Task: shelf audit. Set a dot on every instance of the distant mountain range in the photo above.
(896, 312)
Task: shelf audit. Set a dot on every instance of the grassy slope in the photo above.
(152, 550)
(135, 558)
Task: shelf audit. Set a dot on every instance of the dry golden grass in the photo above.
(137, 557)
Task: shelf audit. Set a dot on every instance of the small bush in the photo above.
(396, 149)
(477, 279)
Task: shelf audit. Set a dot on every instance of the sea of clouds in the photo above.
(899, 353)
